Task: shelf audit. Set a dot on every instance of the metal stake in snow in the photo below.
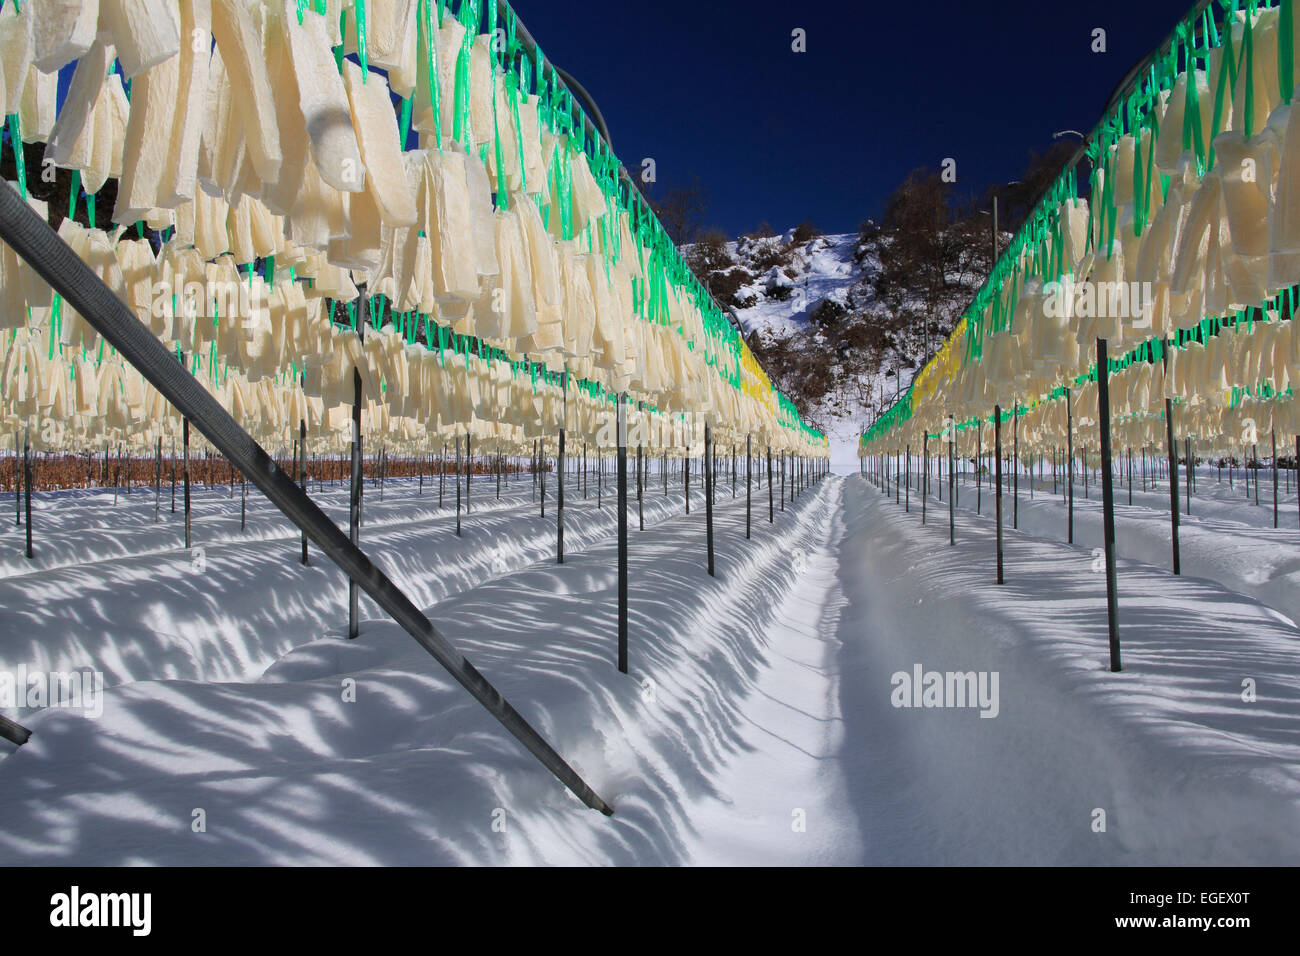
(622, 534)
(708, 491)
(686, 478)
(1069, 458)
(302, 468)
(1274, 438)
(185, 444)
(925, 473)
(997, 455)
(1173, 469)
(771, 515)
(559, 470)
(952, 498)
(34, 241)
(27, 481)
(1108, 502)
(354, 497)
(1015, 473)
(749, 474)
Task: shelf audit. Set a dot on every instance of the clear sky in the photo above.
(713, 88)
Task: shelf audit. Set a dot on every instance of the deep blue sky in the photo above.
(711, 87)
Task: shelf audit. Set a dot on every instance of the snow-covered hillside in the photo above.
(838, 321)
(797, 299)
(821, 269)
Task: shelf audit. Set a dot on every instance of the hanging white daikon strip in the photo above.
(323, 102)
(178, 181)
(377, 136)
(153, 104)
(240, 44)
(63, 30)
(83, 92)
(145, 32)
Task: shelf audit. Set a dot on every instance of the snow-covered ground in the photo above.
(757, 725)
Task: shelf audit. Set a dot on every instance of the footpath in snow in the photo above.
(757, 725)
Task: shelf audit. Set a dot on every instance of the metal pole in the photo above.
(622, 536)
(749, 474)
(157, 481)
(27, 481)
(302, 474)
(1254, 461)
(771, 515)
(925, 472)
(559, 471)
(1108, 502)
(708, 491)
(640, 508)
(1274, 437)
(16, 734)
(1069, 465)
(559, 487)
(1173, 474)
(952, 498)
(185, 443)
(997, 454)
(1015, 472)
(458, 486)
(354, 502)
(686, 478)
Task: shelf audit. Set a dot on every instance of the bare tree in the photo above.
(681, 208)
